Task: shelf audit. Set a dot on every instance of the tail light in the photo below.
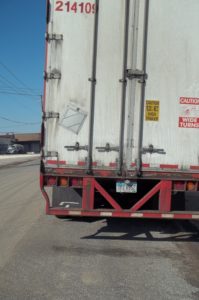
(191, 186)
(77, 182)
(63, 181)
(51, 180)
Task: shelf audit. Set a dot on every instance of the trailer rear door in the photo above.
(87, 45)
(98, 113)
(170, 111)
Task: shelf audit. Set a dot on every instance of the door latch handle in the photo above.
(152, 150)
(76, 147)
(108, 148)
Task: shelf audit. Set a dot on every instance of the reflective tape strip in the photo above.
(106, 214)
(195, 217)
(168, 216)
(81, 163)
(113, 165)
(194, 168)
(145, 165)
(133, 165)
(164, 166)
(74, 213)
(137, 215)
(176, 216)
(167, 166)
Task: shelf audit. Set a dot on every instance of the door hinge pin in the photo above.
(52, 75)
(53, 37)
(50, 115)
(136, 74)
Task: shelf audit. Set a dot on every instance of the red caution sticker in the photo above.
(185, 100)
(189, 112)
(187, 122)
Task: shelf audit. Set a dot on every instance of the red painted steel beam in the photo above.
(123, 214)
(106, 196)
(88, 193)
(165, 196)
(45, 195)
(148, 196)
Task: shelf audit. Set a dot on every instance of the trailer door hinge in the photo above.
(136, 74)
(50, 115)
(52, 75)
(108, 148)
(54, 37)
(152, 150)
(76, 147)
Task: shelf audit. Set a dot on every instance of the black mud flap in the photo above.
(69, 197)
(192, 201)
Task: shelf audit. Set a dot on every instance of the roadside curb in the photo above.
(21, 156)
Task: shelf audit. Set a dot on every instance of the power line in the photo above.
(9, 83)
(13, 75)
(19, 89)
(4, 83)
(12, 85)
(18, 93)
(19, 122)
(17, 125)
(27, 107)
(14, 88)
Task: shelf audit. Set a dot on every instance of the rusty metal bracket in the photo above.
(53, 37)
(136, 74)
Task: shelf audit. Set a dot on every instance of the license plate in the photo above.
(126, 186)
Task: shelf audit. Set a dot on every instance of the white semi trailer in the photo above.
(120, 133)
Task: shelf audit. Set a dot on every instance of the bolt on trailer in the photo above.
(120, 131)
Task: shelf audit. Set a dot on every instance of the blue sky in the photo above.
(22, 29)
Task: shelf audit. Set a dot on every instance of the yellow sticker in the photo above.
(152, 110)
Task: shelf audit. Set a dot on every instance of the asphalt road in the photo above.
(42, 257)
(6, 160)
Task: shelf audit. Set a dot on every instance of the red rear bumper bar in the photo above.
(163, 188)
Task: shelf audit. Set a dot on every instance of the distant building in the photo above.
(30, 141)
(5, 140)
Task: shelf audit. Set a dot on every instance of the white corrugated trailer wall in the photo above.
(109, 72)
(173, 72)
(135, 62)
(73, 58)
(172, 68)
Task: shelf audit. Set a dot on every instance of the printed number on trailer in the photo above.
(75, 7)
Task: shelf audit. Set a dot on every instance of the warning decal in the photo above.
(152, 110)
(186, 122)
(185, 100)
(189, 113)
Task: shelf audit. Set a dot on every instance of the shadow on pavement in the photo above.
(151, 230)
